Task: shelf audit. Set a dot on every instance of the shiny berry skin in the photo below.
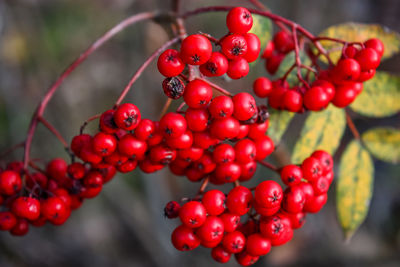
(80, 141)
(197, 94)
(26, 207)
(57, 168)
(216, 66)
(245, 259)
(184, 239)
(325, 159)
(283, 42)
(297, 220)
(93, 183)
(106, 122)
(212, 230)
(265, 211)
(127, 166)
(196, 49)
(238, 200)
(268, 194)
(204, 140)
(190, 154)
(268, 50)
(285, 237)
(245, 151)
(293, 199)
(104, 144)
(227, 172)
(239, 20)
(54, 208)
(221, 107)
(312, 169)
(116, 159)
(170, 64)
(328, 87)
(197, 119)
(375, 44)
(272, 63)
(316, 203)
(257, 130)
(307, 190)
(64, 195)
(366, 75)
(247, 171)
(173, 87)
(10, 182)
(238, 68)
(227, 128)
(127, 116)
(368, 59)
(21, 228)
(219, 254)
(350, 51)
(320, 185)
(344, 96)
(264, 147)
(162, 154)
(291, 175)
(214, 202)
(262, 87)
(224, 153)
(147, 166)
(257, 245)
(275, 99)
(171, 210)
(244, 106)
(253, 47)
(145, 129)
(231, 221)
(234, 242)
(131, 147)
(274, 227)
(193, 214)
(347, 69)
(293, 101)
(234, 46)
(182, 142)
(173, 125)
(7, 220)
(316, 98)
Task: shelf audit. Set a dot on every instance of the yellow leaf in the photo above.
(359, 32)
(322, 130)
(380, 96)
(262, 27)
(278, 123)
(383, 143)
(354, 187)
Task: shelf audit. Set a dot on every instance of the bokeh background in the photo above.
(125, 226)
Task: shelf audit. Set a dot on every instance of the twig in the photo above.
(352, 127)
(268, 165)
(216, 86)
(165, 108)
(54, 131)
(87, 122)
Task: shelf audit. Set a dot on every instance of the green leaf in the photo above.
(383, 143)
(262, 27)
(322, 130)
(359, 32)
(354, 187)
(278, 123)
(380, 96)
(287, 62)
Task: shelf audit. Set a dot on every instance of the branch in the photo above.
(352, 127)
(54, 131)
(216, 86)
(269, 165)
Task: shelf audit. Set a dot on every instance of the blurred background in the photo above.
(125, 226)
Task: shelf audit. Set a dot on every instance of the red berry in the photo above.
(344, 96)
(293, 199)
(220, 255)
(283, 42)
(64, 195)
(265, 211)
(375, 44)
(276, 98)
(147, 166)
(224, 153)
(257, 245)
(80, 141)
(268, 194)
(57, 169)
(104, 144)
(93, 183)
(193, 214)
(221, 107)
(190, 154)
(7, 220)
(131, 147)
(312, 169)
(234, 242)
(26, 207)
(145, 129)
(127, 166)
(238, 68)
(231, 221)
(247, 171)
(227, 128)
(366, 75)
(297, 220)
(234, 46)
(244, 106)
(10, 182)
(169, 63)
(274, 227)
(328, 87)
(239, 20)
(238, 200)
(197, 119)
(217, 65)
(245, 151)
(316, 203)
(325, 159)
(204, 140)
(196, 49)
(214, 202)
(173, 125)
(264, 147)
(262, 87)
(268, 50)
(20, 228)
(258, 130)
(182, 142)
(106, 122)
(253, 47)
(316, 98)
(171, 210)
(173, 87)
(162, 154)
(184, 239)
(127, 116)
(347, 69)
(320, 185)
(293, 101)
(243, 131)
(368, 59)
(212, 230)
(54, 209)
(227, 172)
(245, 259)
(197, 94)
(273, 62)
(291, 175)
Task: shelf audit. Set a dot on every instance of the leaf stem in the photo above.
(352, 126)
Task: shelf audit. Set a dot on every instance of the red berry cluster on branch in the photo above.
(247, 224)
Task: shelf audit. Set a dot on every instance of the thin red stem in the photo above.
(87, 122)
(352, 127)
(269, 165)
(142, 68)
(103, 39)
(210, 37)
(216, 86)
(54, 131)
(203, 186)
(179, 109)
(165, 107)
(297, 56)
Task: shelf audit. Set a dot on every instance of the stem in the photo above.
(352, 127)
(142, 68)
(54, 131)
(87, 122)
(269, 166)
(237, 183)
(210, 37)
(179, 109)
(165, 108)
(203, 186)
(43, 103)
(297, 56)
(261, 6)
(217, 87)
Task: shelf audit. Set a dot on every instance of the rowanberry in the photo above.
(262, 87)
(268, 194)
(173, 125)
(184, 239)
(238, 200)
(127, 116)
(10, 182)
(216, 66)
(195, 49)
(197, 94)
(193, 214)
(257, 245)
(170, 64)
(221, 107)
(291, 175)
(214, 202)
(237, 68)
(234, 46)
(220, 255)
(239, 20)
(173, 87)
(234, 242)
(253, 47)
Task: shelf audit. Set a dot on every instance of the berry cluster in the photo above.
(269, 215)
(238, 48)
(339, 84)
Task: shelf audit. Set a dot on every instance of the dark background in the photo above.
(125, 226)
